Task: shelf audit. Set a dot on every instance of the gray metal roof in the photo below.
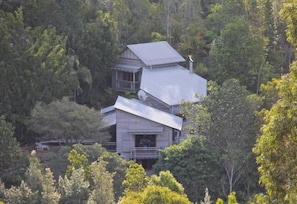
(173, 84)
(156, 53)
(127, 68)
(137, 108)
(107, 109)
(109, 116)
(128, 65)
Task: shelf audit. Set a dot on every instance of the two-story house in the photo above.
(152, 72)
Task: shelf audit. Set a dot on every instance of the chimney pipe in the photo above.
(191, 64)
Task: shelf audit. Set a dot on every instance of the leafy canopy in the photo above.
(66, 121)
(191, 162)
(276, 147)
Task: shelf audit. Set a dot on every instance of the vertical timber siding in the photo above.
(127, 123)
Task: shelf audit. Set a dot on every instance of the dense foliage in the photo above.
(53, 49)
(67, 122)
(162, 188)
(190, 163)
(13, 160)
(226, 120)
(276, 147)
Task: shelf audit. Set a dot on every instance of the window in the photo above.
(145, 140)
(128, 76)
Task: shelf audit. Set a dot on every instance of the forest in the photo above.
(56, 58)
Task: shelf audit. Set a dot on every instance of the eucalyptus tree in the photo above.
(226, 118)
(75, 188)
(19, 195)
(80, 156)
(102, 191)
(42, 183)
(264, 18)
(193, 165)
(275, 148)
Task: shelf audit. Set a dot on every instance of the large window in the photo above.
(145, 140)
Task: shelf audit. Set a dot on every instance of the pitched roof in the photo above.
(137, 108)
(156, 53)
(109, 116)
(173, 84)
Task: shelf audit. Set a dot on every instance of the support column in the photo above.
(133, 85)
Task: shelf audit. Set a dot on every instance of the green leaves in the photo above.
(237, 53)
(102, 189)
(34, 67)
(166, 179)
(135, 179)
(12, 158)
(74, 189)
(276, 147)
(226, 120)
(193, 165)
(160, 189)
(67, 121)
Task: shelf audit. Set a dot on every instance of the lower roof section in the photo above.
(137, 108)
(173, 84)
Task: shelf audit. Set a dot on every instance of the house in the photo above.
(127, 72)
(141, 130)
(152, 72)
(154, 69)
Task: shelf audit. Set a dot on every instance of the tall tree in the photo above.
(74, 189)
(226, 119)
(34, 67)
(193, 165)
(115, 164)
(91, 40)
(12, 158)
(96, 49)
(275, 148)
(102, 184)
(42, 183)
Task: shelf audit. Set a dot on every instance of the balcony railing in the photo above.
(145, 153)
(124, 85)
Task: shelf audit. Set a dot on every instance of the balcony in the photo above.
(123, 85)
(145, 153)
